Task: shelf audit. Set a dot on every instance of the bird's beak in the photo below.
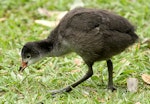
(23, 66)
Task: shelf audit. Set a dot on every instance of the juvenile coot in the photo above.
(93, 34)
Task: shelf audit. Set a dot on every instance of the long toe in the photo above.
(53, 92)
(67, 89)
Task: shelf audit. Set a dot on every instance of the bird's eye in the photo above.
(28, 56)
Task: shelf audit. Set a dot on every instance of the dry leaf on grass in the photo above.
(146, 78)
(51, 23)
(85, 93)
(76, 3)
(0, 51)
(78, 61)
(125, 62)
(147, 42)
(75, 71)
(101, 100)
(58, 14)
(61, 15)
(132, 84)
(2, 19)
(137, 103)
(20, 76)
(46, 23)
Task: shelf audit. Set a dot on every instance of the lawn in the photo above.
(17, 26)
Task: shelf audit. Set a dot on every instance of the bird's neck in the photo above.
(44, 47)
(52, 48)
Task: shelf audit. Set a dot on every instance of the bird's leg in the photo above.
(110, 75)
(69, 88)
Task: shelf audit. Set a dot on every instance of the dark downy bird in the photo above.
(93, 34)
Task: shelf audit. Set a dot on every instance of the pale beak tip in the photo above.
(21, 69)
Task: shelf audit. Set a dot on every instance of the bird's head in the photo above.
(30, 54)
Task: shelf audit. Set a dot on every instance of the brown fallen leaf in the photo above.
(146, 78)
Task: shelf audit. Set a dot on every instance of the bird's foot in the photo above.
(67, 89)
(112, 88)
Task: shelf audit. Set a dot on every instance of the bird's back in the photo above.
(84, 19)
(95, 34)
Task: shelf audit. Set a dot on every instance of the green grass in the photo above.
(33, 85)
